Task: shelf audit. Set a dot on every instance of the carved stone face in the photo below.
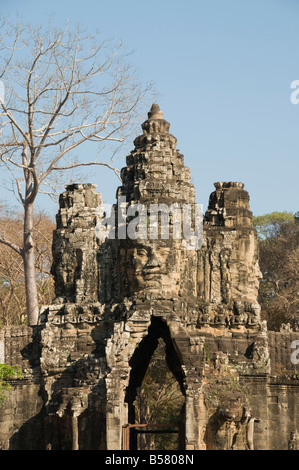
(66, 266)
(151, 266)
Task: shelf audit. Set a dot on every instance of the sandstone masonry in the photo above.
(84, 361)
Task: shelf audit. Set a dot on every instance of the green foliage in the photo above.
(207, 352)
(273, 224)
(7, 373)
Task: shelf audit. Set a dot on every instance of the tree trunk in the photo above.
(29, 267)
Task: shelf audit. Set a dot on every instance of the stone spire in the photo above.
(229, 206)
(155, 124)
(155, 171)
(155, 112)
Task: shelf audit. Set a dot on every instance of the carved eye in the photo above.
(164, 252)
(141, 252)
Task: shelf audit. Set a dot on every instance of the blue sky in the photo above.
(222, 70)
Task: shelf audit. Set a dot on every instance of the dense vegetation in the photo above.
(279, 262)
(7, 373)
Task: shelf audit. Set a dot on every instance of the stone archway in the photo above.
(158, 334)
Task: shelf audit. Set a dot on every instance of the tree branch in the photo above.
(75, 165)
(11, 245)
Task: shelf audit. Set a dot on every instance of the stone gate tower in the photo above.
(117, 295)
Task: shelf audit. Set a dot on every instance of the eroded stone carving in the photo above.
(115, 297)
(214, 287)
(294, 441)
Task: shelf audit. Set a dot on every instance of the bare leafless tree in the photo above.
(12, 288)
(63, 88)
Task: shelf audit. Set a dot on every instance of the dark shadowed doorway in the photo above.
(155, 395)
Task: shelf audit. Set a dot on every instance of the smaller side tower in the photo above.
(75, 245)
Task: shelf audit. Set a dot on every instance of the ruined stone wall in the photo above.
(21, 423)
(283, 413)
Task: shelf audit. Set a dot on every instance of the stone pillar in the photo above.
(75, 434)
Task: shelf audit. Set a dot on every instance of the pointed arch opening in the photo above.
(155, 394)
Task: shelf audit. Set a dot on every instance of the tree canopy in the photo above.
(279, 263)
(272, 225)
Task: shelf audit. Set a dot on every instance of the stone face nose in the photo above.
(153, 262)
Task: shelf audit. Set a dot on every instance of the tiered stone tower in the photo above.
(116, 296)
(155, 171)
(228, 261)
